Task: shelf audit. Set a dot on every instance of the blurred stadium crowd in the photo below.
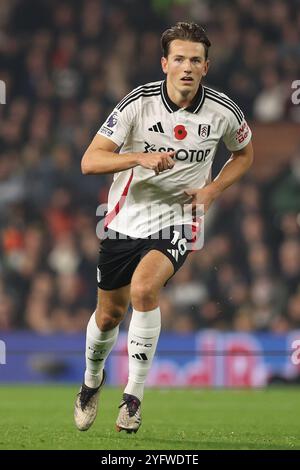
(66, 64)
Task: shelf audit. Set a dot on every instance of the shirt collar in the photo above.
(172, 107)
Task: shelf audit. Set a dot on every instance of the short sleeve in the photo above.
(119, 123)
(238, 134)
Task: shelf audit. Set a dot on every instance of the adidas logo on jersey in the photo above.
(157, 128)
(174, 253)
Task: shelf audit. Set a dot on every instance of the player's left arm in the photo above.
(237, 165)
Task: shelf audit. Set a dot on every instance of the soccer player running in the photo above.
(169, 132)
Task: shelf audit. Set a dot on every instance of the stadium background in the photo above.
(233, 310)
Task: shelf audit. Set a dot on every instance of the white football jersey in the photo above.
(141, 203)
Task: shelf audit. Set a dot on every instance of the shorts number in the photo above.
(181, 243)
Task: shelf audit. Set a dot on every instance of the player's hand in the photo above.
(204, 196)
(157, 161)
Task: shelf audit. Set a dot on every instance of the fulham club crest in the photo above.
(204, 131)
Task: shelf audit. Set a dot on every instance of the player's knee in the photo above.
(143, 294)
(109, 320)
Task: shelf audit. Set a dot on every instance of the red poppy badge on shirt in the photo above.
(180, 132)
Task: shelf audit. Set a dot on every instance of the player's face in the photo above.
(185, 65)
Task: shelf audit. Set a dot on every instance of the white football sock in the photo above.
(143, 335)
(98, 346)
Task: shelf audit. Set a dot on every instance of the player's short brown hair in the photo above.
(186, 32)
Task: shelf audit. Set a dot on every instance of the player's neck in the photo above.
(181, 100)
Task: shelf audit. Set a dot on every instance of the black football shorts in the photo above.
(119, 256)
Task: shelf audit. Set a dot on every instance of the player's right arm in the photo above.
(100, 158)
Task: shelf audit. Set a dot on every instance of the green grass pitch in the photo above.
(34, 417)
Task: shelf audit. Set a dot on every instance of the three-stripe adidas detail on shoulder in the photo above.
(144, 90)
(155, 90)
(226, 102)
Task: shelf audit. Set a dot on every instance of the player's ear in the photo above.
(206, 67)
(164, 64)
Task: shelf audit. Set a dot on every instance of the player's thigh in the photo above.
(152, 272)
(112, 305)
